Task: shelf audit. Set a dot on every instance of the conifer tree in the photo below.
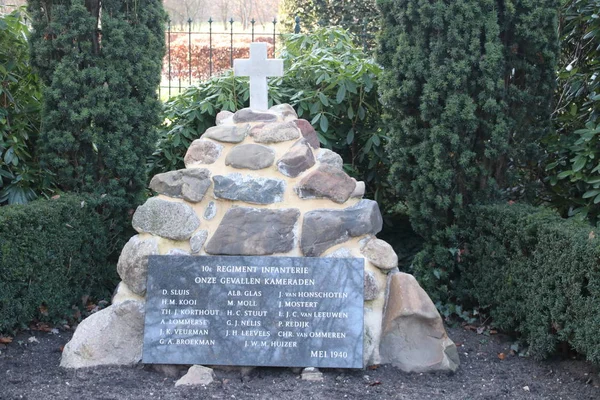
(101, 63)
(359, 17)
(468, 86)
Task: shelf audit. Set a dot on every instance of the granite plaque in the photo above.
(254, 311)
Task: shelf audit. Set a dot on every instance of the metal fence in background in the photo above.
(193, 56)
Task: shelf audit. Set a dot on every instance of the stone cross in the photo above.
(258, 67)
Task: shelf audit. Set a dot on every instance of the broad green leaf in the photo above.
(350, 137)
(590, 193)
(324, 123)
(324, 99)
(564, 174)
(341, 94)
(579, 163)
(315, 119)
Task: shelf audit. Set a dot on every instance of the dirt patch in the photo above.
(29, 369)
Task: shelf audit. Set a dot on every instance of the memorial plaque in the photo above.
(254, 311)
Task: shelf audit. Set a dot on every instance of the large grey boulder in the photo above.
(168, 219)
(264, 232)
(251, 189)
(324, 228)
(413, 337)
(133, 262)
(189, 184)
(250, 156)
(112, 336)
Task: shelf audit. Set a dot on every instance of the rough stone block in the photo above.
(285, 110)
(123, 293)
(325, 228)
(133, 262)
(227, 133)
(276, 132)
(332, 158)
(380, 254)
(197, 241)
(248, 115)
(414, 338)
(298, 159)
(250, 156)
(210, 211)
(171, 220)
(223, 117)
(251, 189)
(202, 151)
(326, 182)
(189, 184)
(197, 375)
(112, 336)
(265, 232)
(308, 132)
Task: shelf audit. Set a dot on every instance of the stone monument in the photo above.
(258, 184)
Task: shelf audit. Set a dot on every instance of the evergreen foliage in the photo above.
(359, 17)
(468, 87)
(52, 252)
(101, 64)
(536, 274)
(575, 145)
(21, 178)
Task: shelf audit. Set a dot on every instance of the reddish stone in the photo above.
(326, 181)
(308, 132)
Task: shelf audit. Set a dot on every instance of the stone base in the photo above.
(112, 336)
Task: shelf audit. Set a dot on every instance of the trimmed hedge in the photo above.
(537, 274)
(51, 253)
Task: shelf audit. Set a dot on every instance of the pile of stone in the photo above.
(258, 183)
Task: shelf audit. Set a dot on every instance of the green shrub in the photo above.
(101, 65)
(329, 81)
(467, 86)
(536, 274)
(359, 17)
(51, 253)
(21, 178)
(575, 145)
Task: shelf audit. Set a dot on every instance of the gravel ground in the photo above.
(29, 369)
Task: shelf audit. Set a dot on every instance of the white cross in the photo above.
(258, 67)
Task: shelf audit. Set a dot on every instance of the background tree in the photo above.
(468, 87)
(21, 178)
(574, 147)
(360, 17)
(101, 64)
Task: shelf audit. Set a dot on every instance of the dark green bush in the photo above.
(52, 252)
(21, 177)
(100, 63)
(468, 90)
(536, 274)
